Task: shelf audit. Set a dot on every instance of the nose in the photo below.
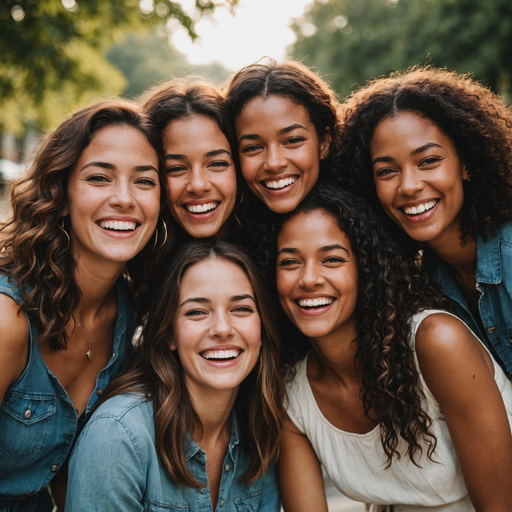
(122, 195)
(198, 182)
(311, 276)
(410, 182)
(275, 160)
(221, 327)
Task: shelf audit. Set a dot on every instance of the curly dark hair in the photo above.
(390, 291)
(478, 121)
(157, 370)
(34, 248)
(292, 80)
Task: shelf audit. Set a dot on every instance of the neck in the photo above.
(214, 409)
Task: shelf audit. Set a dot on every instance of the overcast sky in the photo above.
(259, 28)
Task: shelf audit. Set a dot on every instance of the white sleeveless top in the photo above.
(355, 462)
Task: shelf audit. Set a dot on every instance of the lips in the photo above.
(420, 208)
(280, 184)
(201, 208)
(118, 225)
(221, 354)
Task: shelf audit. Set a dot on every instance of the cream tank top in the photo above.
(355, 462)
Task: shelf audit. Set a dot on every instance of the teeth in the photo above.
(281, 183)
(414, 210)
(118, 225)
(201, 208)
(221, 354)
(312, 303)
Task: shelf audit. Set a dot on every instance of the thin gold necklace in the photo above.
(89, 343)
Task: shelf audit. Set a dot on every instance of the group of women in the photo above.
(316, 284)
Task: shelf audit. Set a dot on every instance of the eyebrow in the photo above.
(282, 131)
(204, 300)
(325, 248)
(112, 167)
(216, 152)
(415, 152)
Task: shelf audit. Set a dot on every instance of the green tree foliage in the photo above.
(52, 52)
(352, 41)
(145, 60)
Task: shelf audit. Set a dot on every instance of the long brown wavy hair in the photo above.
(478, 121)
(35, 250)
(158, 371)
(390, 291)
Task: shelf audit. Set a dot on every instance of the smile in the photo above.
(277, 185)
(201, 208)
(117, 225)
(221, 355)
(315, 303)
(421, 208)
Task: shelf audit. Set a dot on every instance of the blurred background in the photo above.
(58, 55)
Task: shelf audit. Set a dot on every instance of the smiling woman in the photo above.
(194, 425)
(432, 149)
(201, 173)
(88, 206)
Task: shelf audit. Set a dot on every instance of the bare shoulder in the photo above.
(14, 337)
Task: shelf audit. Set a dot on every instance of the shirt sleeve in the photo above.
(270, 498)
(106, 471)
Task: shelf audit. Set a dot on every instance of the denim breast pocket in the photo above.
(151, 506)
(25, 422)
(249, 503)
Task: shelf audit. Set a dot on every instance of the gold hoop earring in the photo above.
(154, 249)
(61, 227)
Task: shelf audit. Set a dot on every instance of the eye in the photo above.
(288, 262)
(335, 259)
(431, 160)
(295, 140)
(97, 178)
(146, 182)
(385, 171)
(195, 312)
(243, 309)
(251, 148)
(219, 164)
(175, 168)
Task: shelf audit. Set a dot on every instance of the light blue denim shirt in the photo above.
(38, 422)
(114, 466)
(493, 281)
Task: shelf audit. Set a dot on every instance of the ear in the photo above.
(465, 173)
(173, 346)
(325, 143)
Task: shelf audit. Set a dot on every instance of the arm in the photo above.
(14, 336)
(459, 373)
(105, 472)
(300, 475)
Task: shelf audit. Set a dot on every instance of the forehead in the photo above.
(215, 277)
(193, 130)
(273, 109)
(310, 230)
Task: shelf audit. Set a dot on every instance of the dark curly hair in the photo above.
(390, 291)
(34, 246)
(478, 121)
(292, 80)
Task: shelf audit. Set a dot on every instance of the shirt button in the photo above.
(201, 491)
(28, 414)
(100, 391)
(491, 329)
(221, 503)
(228, 467)
(54, 468)
(114, 355)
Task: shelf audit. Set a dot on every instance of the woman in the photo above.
(400, 403)
(89, 204)
(194, 425)
(285, 121)
(434, 149)
(201, 174)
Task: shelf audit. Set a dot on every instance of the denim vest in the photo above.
(493, 281)
(114, 466)
(38, 422)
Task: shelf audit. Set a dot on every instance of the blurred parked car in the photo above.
(10, 170)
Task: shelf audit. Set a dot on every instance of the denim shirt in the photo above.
(38, 422)
(114, 466)
(493, 281)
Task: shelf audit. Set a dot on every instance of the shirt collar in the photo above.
(488, 259)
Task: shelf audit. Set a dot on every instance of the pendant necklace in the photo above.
(89, 352)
